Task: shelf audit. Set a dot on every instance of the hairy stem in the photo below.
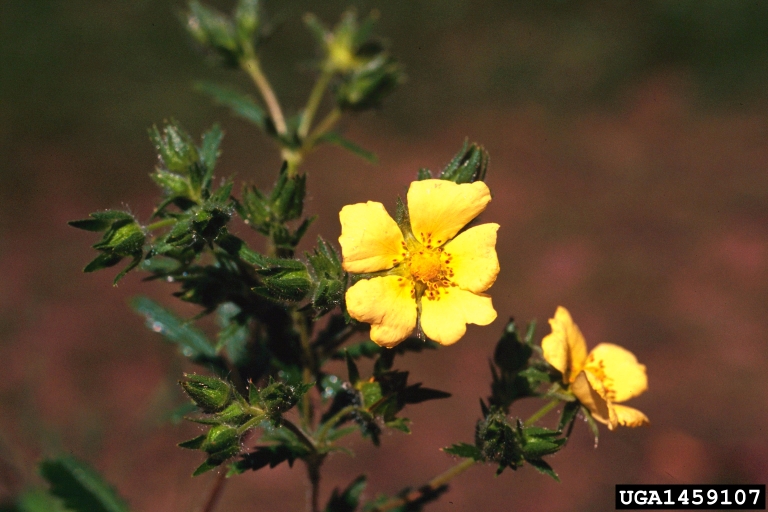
(541, 412)
(431, 486)
(313, 471)
(315, 97)
(299, 321)
(253, 68)
(161, 224)
(328, 425)
(215, 493)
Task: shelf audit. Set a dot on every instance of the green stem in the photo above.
(323, 430)
(161, 224)
(313, 103)
(328, 122)
(429, 487)
(304, 438)
(541, 412)
(299, 321)
(253, 68)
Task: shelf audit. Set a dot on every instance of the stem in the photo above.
(299, 322)
(323, 430)
(328, 122)
(215, 493)
(541, 412)
(313, 470)
(430, 486)
(160, 224)
(315, 97)
(304, 438)
(253, 68)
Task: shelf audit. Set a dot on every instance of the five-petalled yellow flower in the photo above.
(608, 375)
(430, 275)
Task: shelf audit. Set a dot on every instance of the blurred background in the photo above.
(628, 143)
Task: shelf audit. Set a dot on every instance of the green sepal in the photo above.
(278, 397)
(567, 418)
(210, 394)
(193, 444)
(79, 486)
(206, 466)
(371, 392)
(466, 451)
(175, 147)
(470, 164)
(423, 174)
(367, 86)
(328, 277)
(349, 499)
(544, 468)
(102, 261)
(246, 16)
(538, 442)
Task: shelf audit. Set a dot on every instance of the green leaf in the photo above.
(544, 468)
(400, 424)
(371, 392)
(352, 371)
(79, 486)
(465, 450)
(173, 184)
(192, 341)
(240, 104)
(349, 499)
(337, 139)
(264, 456)
(415, 394)
(37, 500)
(234, 335)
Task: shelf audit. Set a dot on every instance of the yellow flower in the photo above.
(608, 375)
(431, 277)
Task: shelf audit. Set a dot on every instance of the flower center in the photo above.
(425, 265)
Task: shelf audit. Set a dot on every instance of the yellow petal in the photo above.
(385, 303)
(444, 319)
(589, 391)
(622, 376)
(439, 209)
(629, 417)
(473, 258)
(564, 348)
(370, 239)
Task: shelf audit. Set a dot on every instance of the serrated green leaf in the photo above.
(192, 341)
(80, 487)
(337, 139)
(349, 499)
(400, 424)
(240, 104)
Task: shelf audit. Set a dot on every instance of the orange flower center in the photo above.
(425, 266)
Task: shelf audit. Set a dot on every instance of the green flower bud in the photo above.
(470, 164)
(209, 394)
(221, 442)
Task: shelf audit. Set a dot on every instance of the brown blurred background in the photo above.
(629, 145)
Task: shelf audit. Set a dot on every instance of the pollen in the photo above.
(425, 266)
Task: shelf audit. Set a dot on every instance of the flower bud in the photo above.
(209, 394)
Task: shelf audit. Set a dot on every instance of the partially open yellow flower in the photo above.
(608, 375)
(432, 277)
